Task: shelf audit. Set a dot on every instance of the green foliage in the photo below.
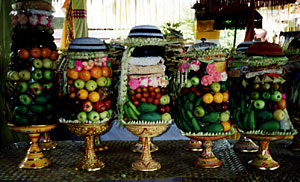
(227, 38)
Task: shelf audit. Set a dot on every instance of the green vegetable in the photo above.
(151, 116)
(37, 108)
(245, 121)
(196, 125)
(198, 102)
(216, 127)
(251, 123)
(188, 106)
(189, 114)
(126, 111)
(269, 126)
(136, 112)
(20, 120)
(243, 105)
(212, 117)
(263, 115)
(191, 96)
(40, 99)
(237, 119)
(21, 109)
(132, 114)
(145, 107)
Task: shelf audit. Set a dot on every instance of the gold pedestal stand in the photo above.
(146, 131)
(89, 161)
(194, 145)
(245, 144)
(34, 158)
(138, 147)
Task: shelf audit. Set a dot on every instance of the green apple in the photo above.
(188, 84)
(164, 100)
(21, 109)
(102, 81)
(48, 74)
(224, 116)
(82, 116)
(195, 80)
(25, 99)
(37, 63)
(24, 75)
(109, 82)
(37, 74)
(259, 104)
(13, 76)
(79, 84)
(166, 117)
(104, 115)
(22, 87)
(266, 95)
(276, 96)
(91, 85)
(93, 116)
(111, 112)
(199, 111)
(215, 87)
(254, 95)
(278, 115)
(47, 86)
(47, 63)
(36, 88)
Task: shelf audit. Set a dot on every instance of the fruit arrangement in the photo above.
(147, 96)
(203, 102)
(31, 78)
(89, 81)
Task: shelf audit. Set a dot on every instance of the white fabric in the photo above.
(144, 61)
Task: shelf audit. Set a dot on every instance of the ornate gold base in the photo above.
(34, 158)
(47, 145)
(99, 146)
(141, 165)
(194, 145)
(245, 144)
(138, 147)
(90, 165)
(208, 163)
(268, 164)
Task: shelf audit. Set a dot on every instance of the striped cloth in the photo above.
(79, 13)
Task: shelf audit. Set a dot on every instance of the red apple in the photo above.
(99, 106)
(132, 97)
(107, 103)
(87, 106)
(198, 93)
(193, 89)
(150, 89)
(152, 94)
(167, 107)
(161, 109)
(158, 95)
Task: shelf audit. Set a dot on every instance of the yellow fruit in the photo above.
(218, 98)
(207, 98)
(94, 96)
(225, 96)
(226, 126)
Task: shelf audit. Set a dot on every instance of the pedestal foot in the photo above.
(245, 144)
(207, 158)
(263, 159)
(194, 145)
(34, 158)
(99, 146)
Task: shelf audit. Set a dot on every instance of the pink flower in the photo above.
(206, 80)
(134, 83)
(154, 82)
(78, 65)
(224, 76)
(105, 60)
(216, 77)
(195, 65)
(163, 82)
(211, 68)
(183, 67)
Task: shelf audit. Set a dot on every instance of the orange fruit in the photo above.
(46, 52)
(23, 53)
(96, 72)
(282, 104)
(225, 96)
(74, 75)
(106, 71)
(54, 55)
(85, 75)
(94, 96)
(82, 94)
(72, 95)
(208, 98)
(218, 98)
(226, 126)
(35, 52)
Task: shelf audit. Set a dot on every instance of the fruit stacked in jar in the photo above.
(203, 102)
(31, 76)
(89, 81)
(147, 97)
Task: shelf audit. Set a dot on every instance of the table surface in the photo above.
(176, 163)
